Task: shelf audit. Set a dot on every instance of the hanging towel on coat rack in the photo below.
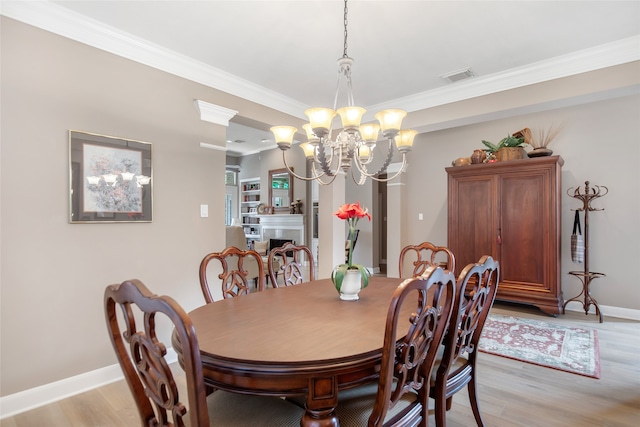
(577, 241)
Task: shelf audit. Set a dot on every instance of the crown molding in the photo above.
(602, 56)
(212, 146)
(72, 25)
(64, 22)
(214, 113)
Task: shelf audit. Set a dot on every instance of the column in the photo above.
(396, 219)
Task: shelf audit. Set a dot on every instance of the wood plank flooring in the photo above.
(512, 393)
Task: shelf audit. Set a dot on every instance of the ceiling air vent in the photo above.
(456, 76)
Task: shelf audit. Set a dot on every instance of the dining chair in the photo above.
(234, 276)
(424, 255)
(291, 260)
(142, 357)
(416, 321)
(459, 351)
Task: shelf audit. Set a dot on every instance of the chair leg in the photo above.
(440, 403)
(449, 402)
(473, 398)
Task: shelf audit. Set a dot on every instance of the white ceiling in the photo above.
(284, 52)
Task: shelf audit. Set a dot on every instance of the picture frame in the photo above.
(110, 179)
(269, 210)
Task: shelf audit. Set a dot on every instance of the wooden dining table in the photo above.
(295, 341)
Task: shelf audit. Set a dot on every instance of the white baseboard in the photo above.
(29, 399)
(58, 390)
(38, 396)
(623, 313)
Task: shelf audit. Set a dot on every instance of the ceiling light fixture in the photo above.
(355, 142)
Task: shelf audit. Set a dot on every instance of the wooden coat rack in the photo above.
(587, 275)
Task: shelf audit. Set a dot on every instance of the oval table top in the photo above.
(296, 340)
(295, 324)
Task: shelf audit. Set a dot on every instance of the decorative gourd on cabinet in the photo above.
(511, 211)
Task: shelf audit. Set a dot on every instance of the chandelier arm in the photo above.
(387, 161)
(319, 176)
(362, 179)
(384, 166)
(322, 159)
(321, 182)
(303, 178)
(401, 170)
(316, 153)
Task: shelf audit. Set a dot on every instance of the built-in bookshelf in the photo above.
(249, 204)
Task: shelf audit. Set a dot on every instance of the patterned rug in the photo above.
(555, 346)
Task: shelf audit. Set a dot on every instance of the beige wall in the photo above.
(599, 142)
(53, 273)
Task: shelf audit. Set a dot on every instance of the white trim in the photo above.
(619, 312)
(603, 56)
(29, 399)
(66, 23)
(212, 147)
(214, 113)
(38, 396)
(75, 26)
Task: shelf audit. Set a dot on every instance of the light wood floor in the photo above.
(512, 393)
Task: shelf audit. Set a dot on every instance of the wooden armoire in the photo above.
(511, 211)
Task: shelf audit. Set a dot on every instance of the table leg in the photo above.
(321, 403)
(319, 418)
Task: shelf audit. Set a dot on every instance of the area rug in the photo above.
(541, 343)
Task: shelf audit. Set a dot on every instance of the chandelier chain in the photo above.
(344, 55)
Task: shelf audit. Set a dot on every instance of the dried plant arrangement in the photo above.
(544, 136)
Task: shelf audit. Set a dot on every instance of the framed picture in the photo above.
(110, 179)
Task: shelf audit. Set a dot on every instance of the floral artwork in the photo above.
(110, 179)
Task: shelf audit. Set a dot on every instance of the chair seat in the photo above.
(238, 410)
(460, 362)
(355, 405)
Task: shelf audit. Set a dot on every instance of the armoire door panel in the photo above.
(522, 228)
(474, 223)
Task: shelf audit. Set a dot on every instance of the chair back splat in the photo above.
(290, 259)
(457, 367)
(141, 355)
(234, 277)
(148, 374)
(424, 255)
(416, 321)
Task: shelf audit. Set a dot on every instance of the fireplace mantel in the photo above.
(282, 226)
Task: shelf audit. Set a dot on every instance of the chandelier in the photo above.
(355, 142)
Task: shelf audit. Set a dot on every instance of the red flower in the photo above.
(352, 210)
